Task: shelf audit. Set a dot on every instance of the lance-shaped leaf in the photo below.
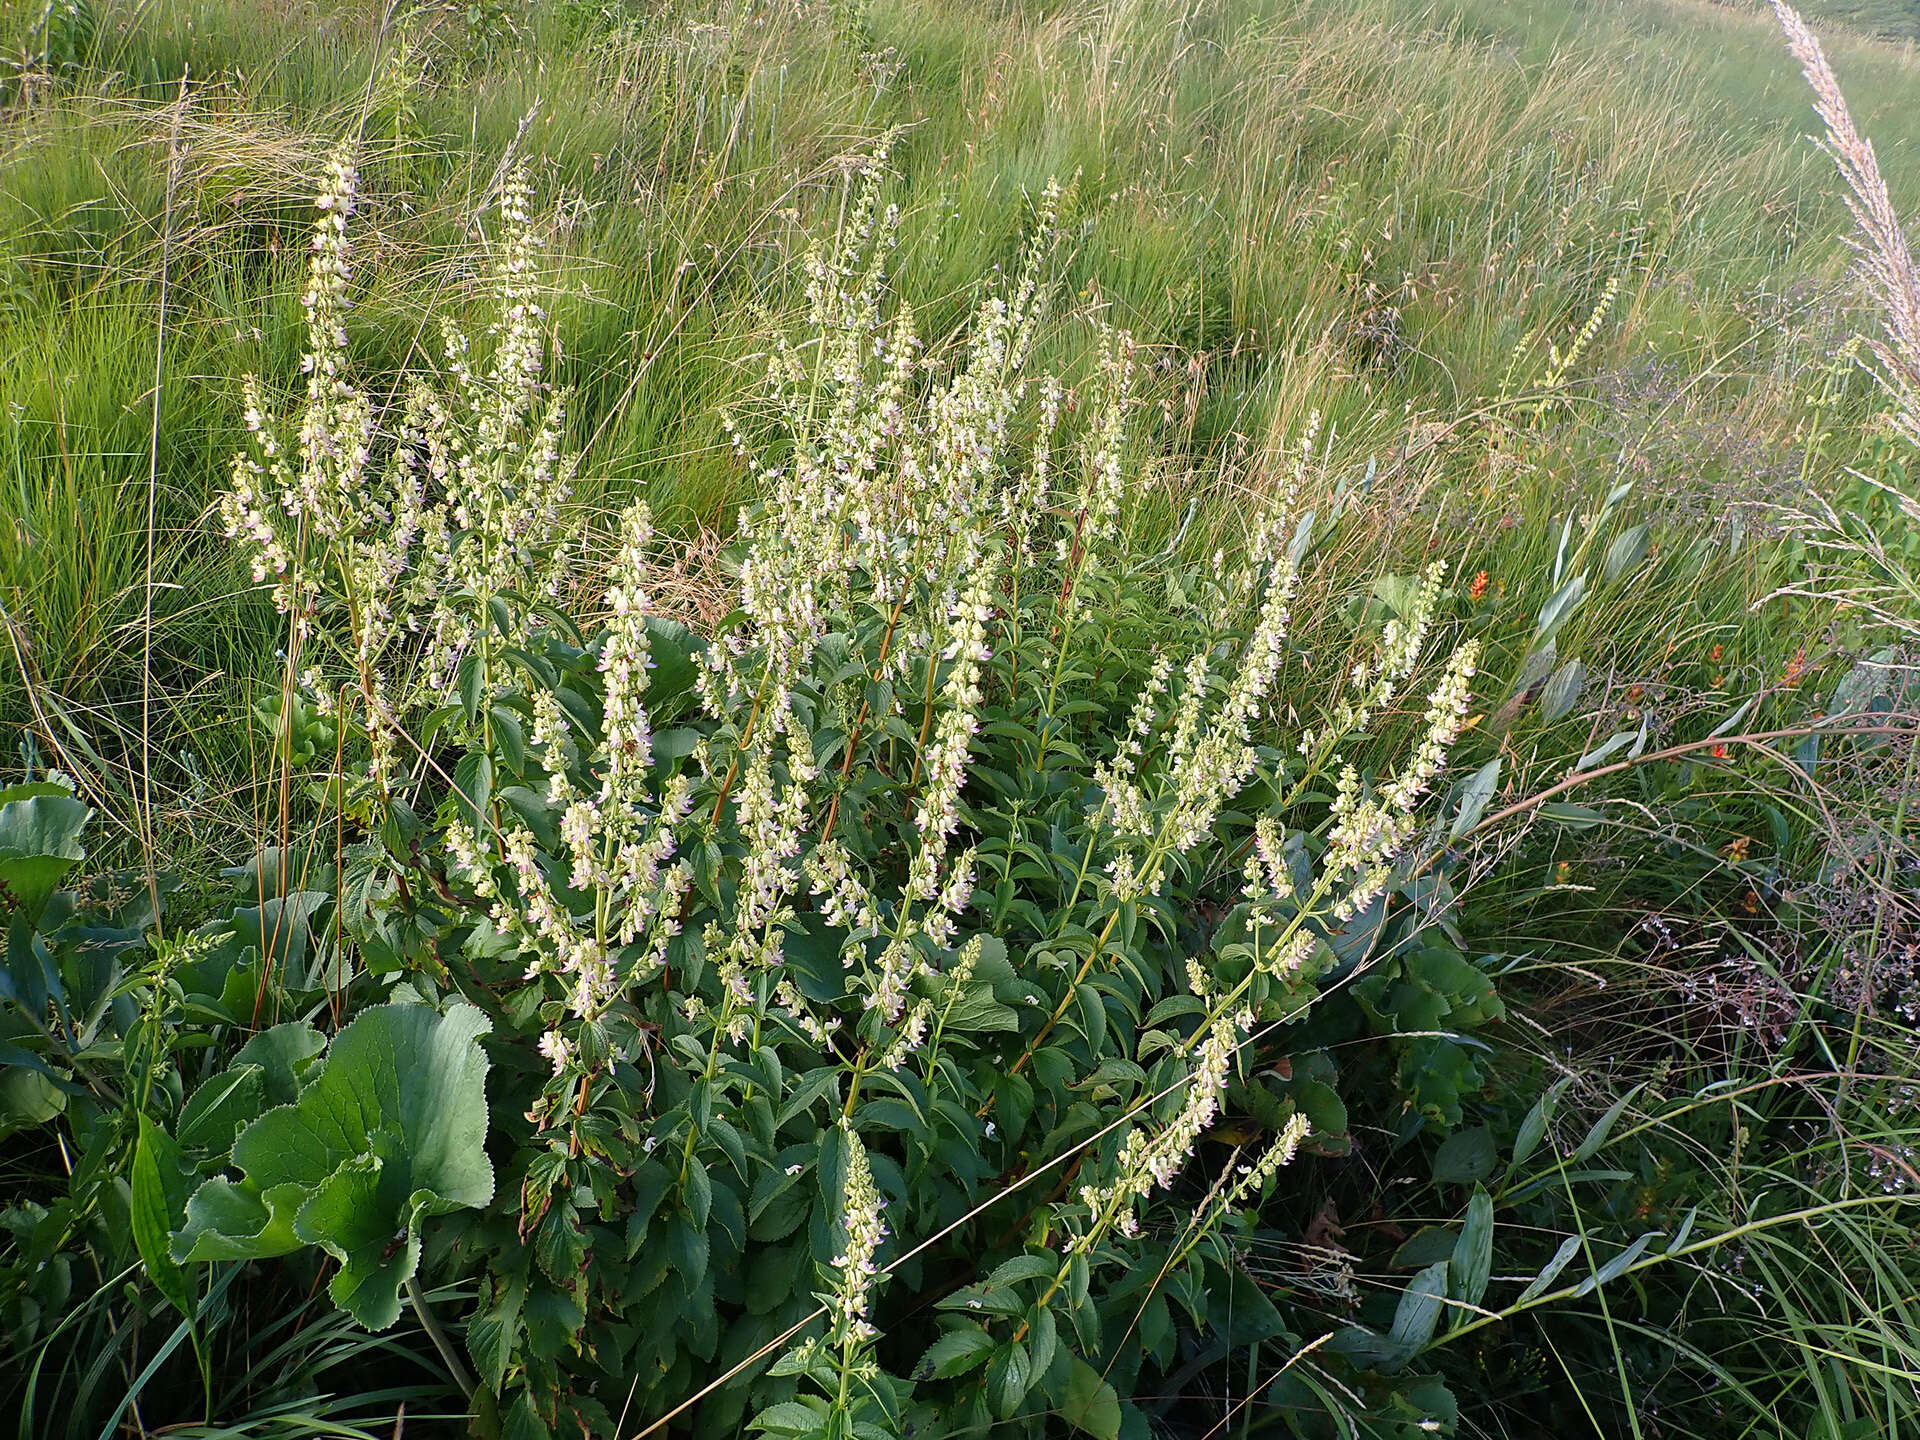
(393, 1130)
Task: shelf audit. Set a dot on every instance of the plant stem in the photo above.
(451, 1357)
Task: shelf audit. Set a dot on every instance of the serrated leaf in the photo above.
(158, 1201)
(494, 1329)
(473, 790)
(955, 1353)
(1009, 1377)
(523, 1421)
(1022, 1267)
(788, 1417)
(689, 1249)
(1043, 1340)
(1090, 1404)
(976, 1009)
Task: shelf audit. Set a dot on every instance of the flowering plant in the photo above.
(916, 926)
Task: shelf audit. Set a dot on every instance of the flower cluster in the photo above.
(1255, 1177)
(864, 1229)
(444, 527)
(1148, 1163)
(1369, 832)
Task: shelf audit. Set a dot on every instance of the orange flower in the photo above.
(1796, 667)
(1479, 586)
(1715, 656)
(1720, 752)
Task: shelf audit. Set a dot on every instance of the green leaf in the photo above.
(27, 1098)
(220, 1107)
(979, 1297)
(1618, 1265)
(1426, 1245)
(1473, 1254)
(39, 844)
(509, 739)
(1475, 794)
(1043, 1340)
(560, 1246)
(674, 651)
(473, 790)
(1465, 1157)
(1563, 603)
(1022, 1267)
(494, 1329)
(1562, 690)
(814, 1085)
(524, 1422)
(1418, 1313)
(789, 1417)
(975, 1009)
(269, 1070)
(1550, 1272)
(1615, 742)
(1603, 1127)
(159, 1199)
(955, 1353)
(1679, 1240)
(469, 680)
(1090, 1404)
(1571, 817)
(1009, 1376)
(1628, 549)
(689, 1249)
(393, 1130)
(1533, 1128)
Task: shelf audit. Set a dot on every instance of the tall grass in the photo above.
(1358, 209)
(1546, 284)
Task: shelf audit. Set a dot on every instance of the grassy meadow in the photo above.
(1562, 295)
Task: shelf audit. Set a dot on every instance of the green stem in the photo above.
(417, 1298)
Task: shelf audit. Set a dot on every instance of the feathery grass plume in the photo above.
(1885, 258)
(1871, 578)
